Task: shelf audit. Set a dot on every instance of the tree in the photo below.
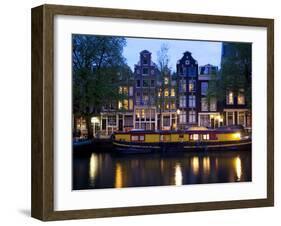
(163, 60)
(96, 61)
(235, 73)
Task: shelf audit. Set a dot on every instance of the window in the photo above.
(166, 92)
(191, 86)
(194, 137)
(131, 104)
(241, 118)
(192, 117)
(229, 98)
(125, 90)
(173, 92)
(145, 97)
(182, 101)
(191, 71)
(128, 121)
(131, 91)
(241, 97)
(204, 120)
(191, 102)
(152, 83)
(138, 83)
(204, 104)
(204, 88)
(205, 136)
(182, 117)
(134, 138)
(144, 61)
(213, 104)
(230, 118)
(120, 89)
(166, 81)
(120, 105)
(159, 93)
(126, 104)
(182, 85)
(173, 106)
(112, 120)
(167, 106)
(187, 62)
(166, 121)
(145, 71)
(144, 83)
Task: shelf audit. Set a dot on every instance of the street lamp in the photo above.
(94, 120)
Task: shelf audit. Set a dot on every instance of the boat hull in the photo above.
(131, 147)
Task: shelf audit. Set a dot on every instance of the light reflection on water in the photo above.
(106, 170)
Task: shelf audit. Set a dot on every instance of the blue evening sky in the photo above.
(203, 51)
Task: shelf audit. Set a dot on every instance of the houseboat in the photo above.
(193, 139)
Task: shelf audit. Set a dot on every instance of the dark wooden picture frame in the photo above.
(43, 112)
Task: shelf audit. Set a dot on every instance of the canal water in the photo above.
(95, 170)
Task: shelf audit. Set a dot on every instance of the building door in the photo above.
(120, 124)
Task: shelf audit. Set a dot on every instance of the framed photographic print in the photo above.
(141, 112)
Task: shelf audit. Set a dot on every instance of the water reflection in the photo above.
(206, 165)
(118, 176)
(93, 168)
(107, 170)
(238, 168)
(178, 174)
(195, 165)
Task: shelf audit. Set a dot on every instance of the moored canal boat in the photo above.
(193, 139)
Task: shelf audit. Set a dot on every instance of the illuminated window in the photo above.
(166, 81)
(141, 138)
(166, 93)
(159, 94)
(191, 86)
(241, 97)
(135, 138)
(206, 137)
(173, 92)
(120, 89)
(131, 104)
(173, 106)
(167, 107)
(230, 98)
(126, 104)
(120, 105)
(194, 137)
(125, 90)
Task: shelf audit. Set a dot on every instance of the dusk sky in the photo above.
(203, 51)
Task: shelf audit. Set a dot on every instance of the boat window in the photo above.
(206, 137)
(142, 138)
(194, 137)
(135, 138)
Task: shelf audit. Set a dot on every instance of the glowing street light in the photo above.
(94, 120)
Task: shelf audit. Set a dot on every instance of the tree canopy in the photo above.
(235, 73)
(97, 66)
